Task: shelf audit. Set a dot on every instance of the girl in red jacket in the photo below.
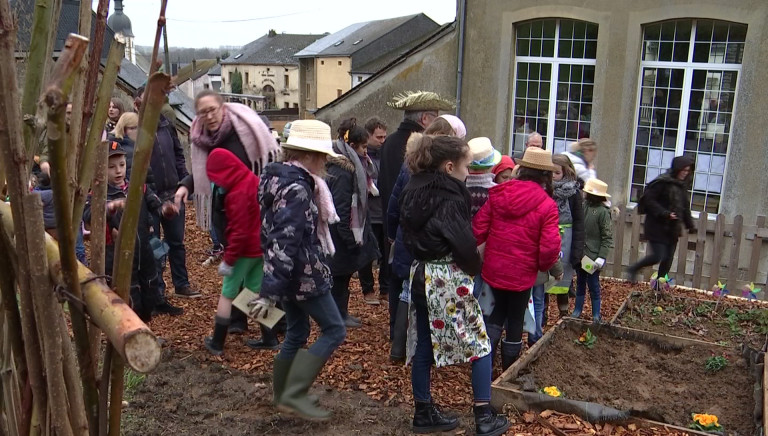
(243, 263)
(519, 226)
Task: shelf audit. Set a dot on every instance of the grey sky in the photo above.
(205, 23)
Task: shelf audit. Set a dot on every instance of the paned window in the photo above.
(554, 81)
(688, 79)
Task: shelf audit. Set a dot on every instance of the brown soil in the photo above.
(664, 385)
(735, 321)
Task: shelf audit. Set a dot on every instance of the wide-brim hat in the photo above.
(484, 156)
(421, 101)
(537, 158)
(311, 135)
(596, 187)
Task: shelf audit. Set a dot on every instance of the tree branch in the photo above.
(35, 68)
(92, 73)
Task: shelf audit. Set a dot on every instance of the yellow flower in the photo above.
(706, 420)
(435, 345)
(552, 391)
(659, 309)
(450, 309)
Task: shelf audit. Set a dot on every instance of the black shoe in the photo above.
(428, 418)
(168, 309)
(488, 422)
(187, 292)
(237, 328)
(261, 344)
(632, 276)
(352, 322)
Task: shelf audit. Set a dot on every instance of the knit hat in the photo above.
(421, 101)
(458, 126)
(311, 135)
(484, 156)
(538, 159)
(506, 163)
(596, 187)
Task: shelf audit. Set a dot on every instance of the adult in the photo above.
(294, 196)
(352, 236)
(582, 155)
(534, 139)
(377, 134)
(239, 130)
(519, 226)
(116, 109)
(666, 207)
(169, 167)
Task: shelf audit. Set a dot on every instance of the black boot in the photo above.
(428, 418)
(509, 353)
(488, 422)
(494, 334)
(167, 308)
(400, 334)
(239, 322)
(215, 343)
(268, 340)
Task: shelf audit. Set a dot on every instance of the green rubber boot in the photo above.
(279, 375)
(302, 374)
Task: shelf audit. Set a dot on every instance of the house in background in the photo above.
(334, 64)
(268, 69)
(120, 23)
(193, 78)
(215, 76)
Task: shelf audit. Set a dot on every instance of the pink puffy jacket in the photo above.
(519, 224)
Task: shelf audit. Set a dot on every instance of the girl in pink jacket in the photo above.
(519, 226)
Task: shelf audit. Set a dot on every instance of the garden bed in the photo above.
(728, 322)
(635, 376)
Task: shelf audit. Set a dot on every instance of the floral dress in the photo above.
(455, 318)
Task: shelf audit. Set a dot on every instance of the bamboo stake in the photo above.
(86, 165)
(104, 390)
(98, 245)
(74, 144)
(117, 378)
(35, 68)
(9, 303)
(45, 309)
(72, 380)
(92, 73)
(153, 65)
(56, 93)
(13, 158)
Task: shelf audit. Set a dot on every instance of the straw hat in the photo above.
(483, 154)
(421, 101)
(596, 187)
(537, 158)
(311, 135)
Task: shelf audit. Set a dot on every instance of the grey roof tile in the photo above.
(278, 49)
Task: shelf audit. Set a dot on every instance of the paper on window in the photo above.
(715, 183)
(654, 158)
(651, 173)
(561, 146)
(702, 162)
(700, 181)
(666, 159)
(718, 165)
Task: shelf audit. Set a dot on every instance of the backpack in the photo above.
(642, 202)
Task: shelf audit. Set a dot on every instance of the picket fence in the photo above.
(719, 251)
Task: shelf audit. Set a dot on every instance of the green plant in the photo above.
(658, 310)
(133, 380)
(703, 309)
(716, 363)
(587, 339)
(237, 82)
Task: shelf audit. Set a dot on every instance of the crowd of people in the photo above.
(463, 238)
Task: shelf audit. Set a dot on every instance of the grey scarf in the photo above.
(563, 190)
(360, 192)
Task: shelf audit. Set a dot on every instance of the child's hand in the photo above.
(225, 269)
(599, 262)
(115, 205)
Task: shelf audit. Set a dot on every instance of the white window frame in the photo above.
(688, 68)
(555, 62)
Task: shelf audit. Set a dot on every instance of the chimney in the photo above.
(272, 33)
(194, 65)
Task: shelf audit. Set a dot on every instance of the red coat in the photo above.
(519, 224)
(241, 204)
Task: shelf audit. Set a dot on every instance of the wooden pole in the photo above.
(56, 92)
(92, 73)
(36, 63)
(13, 158)
(45, 309)
(88, 158)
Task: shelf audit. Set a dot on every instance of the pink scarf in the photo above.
(256, 138)
(325, 210)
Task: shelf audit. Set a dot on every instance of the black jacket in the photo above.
(232, 144)
(129, 146)
(392, 156)
(375, 208)
(349, 256)
(663, 196)
(150, 207)
(435, 219)
(167, 162)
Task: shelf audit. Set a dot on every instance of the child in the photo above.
(296, 209)
(598, 241)
(243, 263)
(480, 178)
(570, 209)
(449, 327)
(503, 171)
(144, 290)
(46, 195)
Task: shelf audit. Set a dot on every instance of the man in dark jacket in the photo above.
(169, 168)
(377, 133)
(666, 206)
